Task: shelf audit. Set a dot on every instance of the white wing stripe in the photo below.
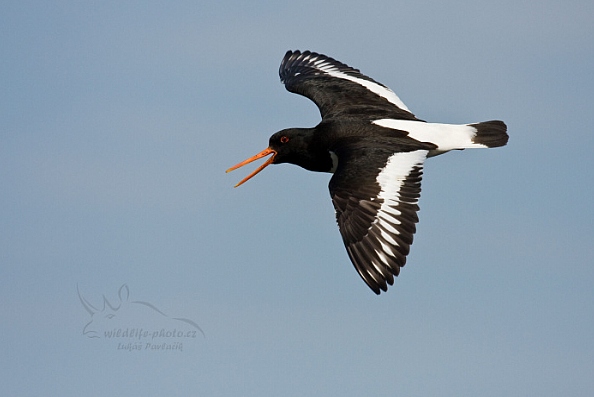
(325, 66)
(386, 225)
(382, 91)
(387, 237)
(386, 217)
(390, 208)
(387, 248)
(391, 179)
(382, 257)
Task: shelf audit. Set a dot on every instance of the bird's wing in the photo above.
(375, 193)
(339, 90)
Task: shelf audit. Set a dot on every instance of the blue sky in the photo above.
(118, 120)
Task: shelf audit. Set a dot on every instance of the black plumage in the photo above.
(375, 147)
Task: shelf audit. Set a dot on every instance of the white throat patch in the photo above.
(334, 158)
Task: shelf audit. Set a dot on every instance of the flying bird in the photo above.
(375, 148)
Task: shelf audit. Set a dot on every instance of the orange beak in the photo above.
(263, 153)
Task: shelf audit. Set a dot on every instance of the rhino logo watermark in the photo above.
(136, 325)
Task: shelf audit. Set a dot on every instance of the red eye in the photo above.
(284, 139)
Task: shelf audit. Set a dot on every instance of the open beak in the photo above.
(263, 153)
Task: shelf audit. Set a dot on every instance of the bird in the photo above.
(375, 149)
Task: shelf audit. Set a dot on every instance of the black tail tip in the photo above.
(491, 133)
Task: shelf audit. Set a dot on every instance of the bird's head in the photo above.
(292, 145)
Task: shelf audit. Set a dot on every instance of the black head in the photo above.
(292, 145)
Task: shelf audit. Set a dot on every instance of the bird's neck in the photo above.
(316, 155)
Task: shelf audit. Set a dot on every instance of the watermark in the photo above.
(136, 326)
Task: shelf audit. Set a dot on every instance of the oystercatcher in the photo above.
(375, 148)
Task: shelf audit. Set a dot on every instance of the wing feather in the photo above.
(376, 212)
(338, 89)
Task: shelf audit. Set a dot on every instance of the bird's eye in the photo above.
(284, 139)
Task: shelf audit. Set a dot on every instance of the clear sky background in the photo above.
(118, 120)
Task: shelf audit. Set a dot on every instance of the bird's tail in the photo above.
(448, 137)
(490, 133)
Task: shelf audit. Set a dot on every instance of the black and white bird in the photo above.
(375, 148)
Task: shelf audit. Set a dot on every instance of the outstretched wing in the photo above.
(339, 90)
(376, 209)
